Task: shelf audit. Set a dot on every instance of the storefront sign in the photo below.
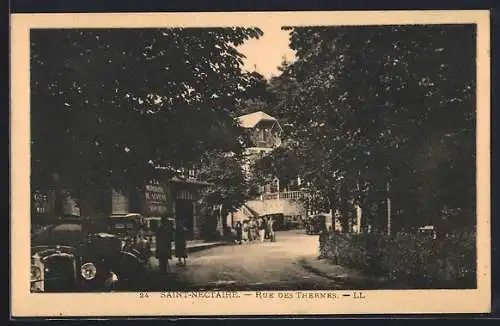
(155, 194)
(156, 200)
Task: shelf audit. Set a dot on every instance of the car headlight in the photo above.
(36, 273)
(88, 271)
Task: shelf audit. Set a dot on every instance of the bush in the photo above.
(412, 259)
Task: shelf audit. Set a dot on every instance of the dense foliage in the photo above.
(229, 186)
(108, 106)
(407, 260)
(377, 107)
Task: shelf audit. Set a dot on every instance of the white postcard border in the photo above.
(24, 303)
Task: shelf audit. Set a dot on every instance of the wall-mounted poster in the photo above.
(156, 200)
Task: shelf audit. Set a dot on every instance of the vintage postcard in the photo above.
(250, 163)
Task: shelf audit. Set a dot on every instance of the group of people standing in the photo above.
(165, 235)
(255, 229)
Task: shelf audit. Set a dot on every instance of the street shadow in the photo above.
(353, 283)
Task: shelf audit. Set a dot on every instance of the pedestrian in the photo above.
(272, 235)
(266, 228)
(254, 229)
(267, 225)
(239, 232)
(164, 235)
(244, 231)
(181, 244)
(261, 229)
(251, 229)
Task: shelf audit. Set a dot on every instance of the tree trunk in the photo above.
(223, 212)
(344, 207)
(365, 218)
(344, 222)
(332, 207)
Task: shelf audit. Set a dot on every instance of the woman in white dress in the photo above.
(244, 234)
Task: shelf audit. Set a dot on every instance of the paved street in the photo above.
(287, 264)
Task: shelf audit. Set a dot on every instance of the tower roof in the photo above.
(252, 119)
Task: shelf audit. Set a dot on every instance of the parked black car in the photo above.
(69, 256)
(316, 224)
(132, 230)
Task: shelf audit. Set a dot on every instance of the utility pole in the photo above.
(388, 210)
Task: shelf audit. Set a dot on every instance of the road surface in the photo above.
(279, 265)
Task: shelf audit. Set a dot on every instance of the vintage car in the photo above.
(153, 223)
(131, 229)
(127, 224)
(294, 222)
(315, 224)
(64, 257)
(73, 256)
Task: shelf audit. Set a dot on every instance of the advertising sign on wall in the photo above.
(156, 200)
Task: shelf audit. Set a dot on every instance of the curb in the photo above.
(202, 247)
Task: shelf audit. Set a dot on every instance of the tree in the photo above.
(229, 188)
(281, 88)
(108, 106)
(369, 106)
(256, 97)
(281, 163)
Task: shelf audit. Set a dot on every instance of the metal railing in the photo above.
(293, 195)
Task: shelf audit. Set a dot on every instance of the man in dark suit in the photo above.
(164, 238)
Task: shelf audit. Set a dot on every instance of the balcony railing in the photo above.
(293, 195)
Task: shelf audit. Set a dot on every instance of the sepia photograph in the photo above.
(286, 159)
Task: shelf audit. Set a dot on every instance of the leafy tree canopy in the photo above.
(107, 106)
(371, 105)
(229, 185)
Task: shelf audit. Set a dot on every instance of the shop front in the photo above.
(187, 209)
